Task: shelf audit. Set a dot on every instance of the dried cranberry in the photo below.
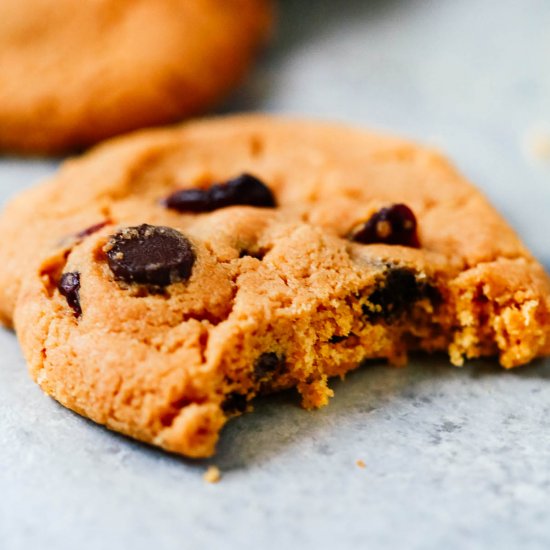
(243, 190)
(190, 200)
(395, 224)
(69, 287)
(91, 230)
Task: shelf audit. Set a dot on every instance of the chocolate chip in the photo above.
(398, 293)
(267, 364)
(235, 403)
(151, 255)
(431, 293)
(395, 224)
(243, 190)
(335, 339)
(69, 287)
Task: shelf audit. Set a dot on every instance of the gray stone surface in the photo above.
(455, 458)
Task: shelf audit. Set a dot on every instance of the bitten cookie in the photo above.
(72, 76)
(197, 267)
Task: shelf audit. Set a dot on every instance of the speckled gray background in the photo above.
(455, 458)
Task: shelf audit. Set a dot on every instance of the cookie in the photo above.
(72, 77)
(198, 267)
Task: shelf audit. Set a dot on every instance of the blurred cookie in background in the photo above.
(73, 73)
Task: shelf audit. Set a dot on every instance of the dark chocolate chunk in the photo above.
(235, 403)
(395, 224)
(243, 190)
(398, 293)
(267, 364)
(69, 287)
(151, 255)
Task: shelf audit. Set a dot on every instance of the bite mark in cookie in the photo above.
(263, 298)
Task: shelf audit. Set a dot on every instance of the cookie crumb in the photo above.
(360, 464)
(212, 475)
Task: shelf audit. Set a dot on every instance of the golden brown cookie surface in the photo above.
(185, 287)
(72, 77)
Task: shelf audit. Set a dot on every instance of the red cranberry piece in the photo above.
(91, 230)
(69, 287)
(243, 190)
(395, 224)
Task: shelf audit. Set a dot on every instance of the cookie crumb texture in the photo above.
(73, 77)
(273, 297)
(212, 475)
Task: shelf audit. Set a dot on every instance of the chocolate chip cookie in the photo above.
(198, 267)
(72, 77)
